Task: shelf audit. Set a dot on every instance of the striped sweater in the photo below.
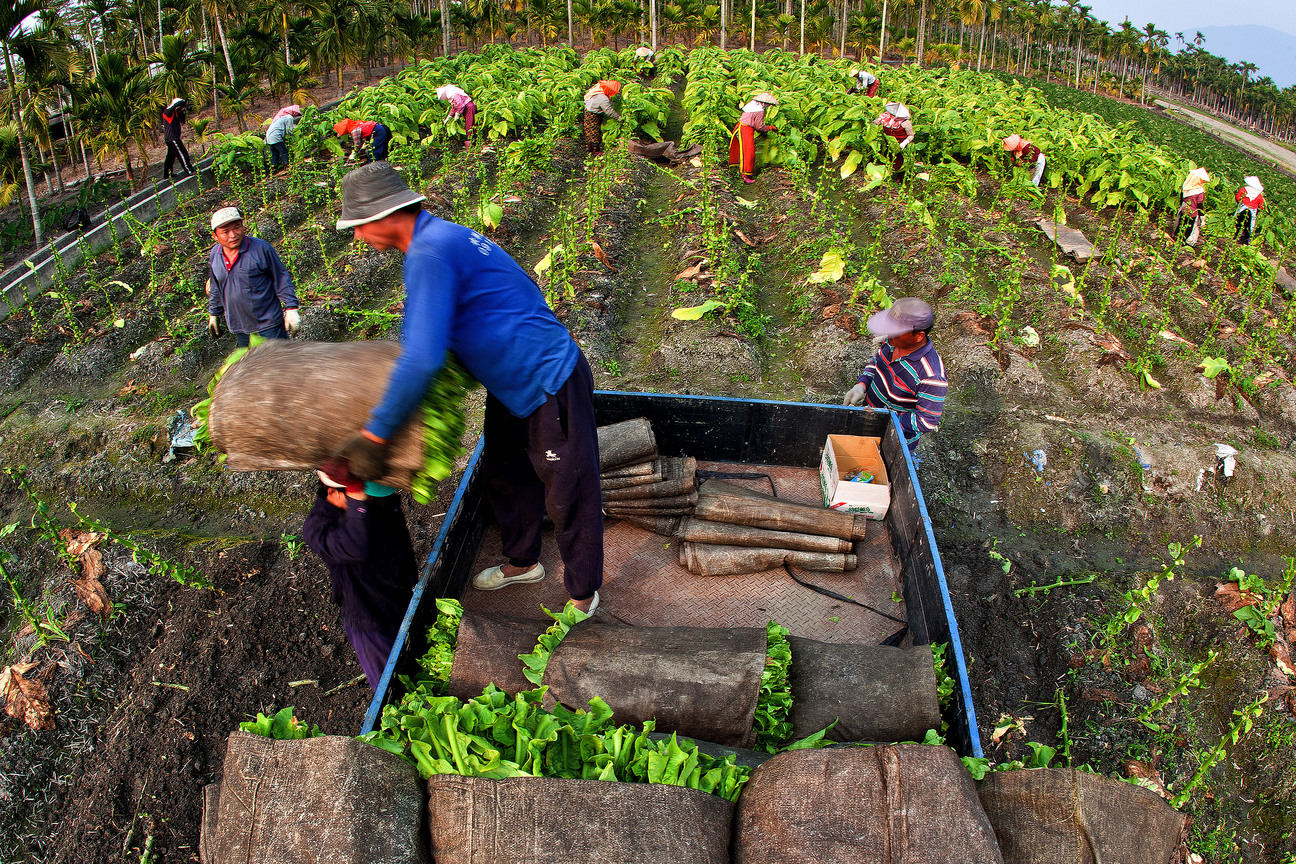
(912, 386)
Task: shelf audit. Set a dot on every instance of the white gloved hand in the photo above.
(854, 396)
(213, 326)
(292, 321)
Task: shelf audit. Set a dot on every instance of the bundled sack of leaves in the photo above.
(725, 686)
(1064, 816)
(510, 781)
(310, 798)
(891, 802)
(289, 405)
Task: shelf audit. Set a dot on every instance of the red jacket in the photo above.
(1256, 203)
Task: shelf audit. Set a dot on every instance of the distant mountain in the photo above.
(1272, 50)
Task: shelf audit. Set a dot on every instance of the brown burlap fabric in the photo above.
(700, 682)
(542, 820)
(875, 693)
(329, 799)
(487, 651)
(289, 405)
(1063, 816)
(887, 804)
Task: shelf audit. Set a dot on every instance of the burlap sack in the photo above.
(329, 799)
(875, 693)
(699, 682)
(543, 820)
(289, 405)
(1063, 816)
(487, 651)
(887, 804)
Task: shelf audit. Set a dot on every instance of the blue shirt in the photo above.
(465, 294)
(254, 292)
(279, 129)
(912, 386)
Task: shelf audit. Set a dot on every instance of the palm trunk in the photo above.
(753, 26)
(571, 42)
(981, 44)
(803, 2)
(922, 30)
(22, 150)
(882, 35)
(724, 25)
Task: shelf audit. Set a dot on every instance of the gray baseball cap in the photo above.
(906, 315)
(371, 192)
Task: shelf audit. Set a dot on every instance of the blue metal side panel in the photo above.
(956, 644)
(380, 695)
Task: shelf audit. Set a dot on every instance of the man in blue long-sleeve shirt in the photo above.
(464, 294)
(248, 283)
(360, 532)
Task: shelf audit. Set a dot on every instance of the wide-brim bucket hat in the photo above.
(906, 315)
(765, 98)
(371, 192)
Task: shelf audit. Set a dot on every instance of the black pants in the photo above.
(176, 149)
(548, 461)
(278, 155)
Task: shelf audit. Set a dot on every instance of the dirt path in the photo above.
(1251, 143)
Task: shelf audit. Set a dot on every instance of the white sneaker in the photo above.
(493, 578)
(593, 605)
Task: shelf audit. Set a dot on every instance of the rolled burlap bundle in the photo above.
(726, 502)
(725, 534)
(636, 470)
(678, 478)
(655, 474)
(705, 559)
(626, 443)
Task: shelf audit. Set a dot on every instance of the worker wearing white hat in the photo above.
(1189, 221)
(865, 82)
(247, 284)
(1250, 201)
(742, 145)
(173, 118)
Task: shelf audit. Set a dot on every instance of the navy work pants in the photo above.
(548, 461)
(278, 155)
(176, 150)
(372, 649)
(277, 331)
(381, 137)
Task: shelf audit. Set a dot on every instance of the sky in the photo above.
(1191, 15)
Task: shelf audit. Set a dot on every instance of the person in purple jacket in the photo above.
(359, 530)
(248, 283)
(464, 294)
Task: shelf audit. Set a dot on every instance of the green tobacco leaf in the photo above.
(1212, 366)
(546, 262)
(694, 313)
(1146, 380)
(852, 162)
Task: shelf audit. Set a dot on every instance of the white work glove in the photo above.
(292, 321)
(854, 396)
(213, 326)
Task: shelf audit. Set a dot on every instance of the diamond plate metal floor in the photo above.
(645, 585)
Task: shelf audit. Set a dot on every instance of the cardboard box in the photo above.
(842, 456)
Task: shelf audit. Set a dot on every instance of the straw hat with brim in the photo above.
(906, 315)
(766, 98)
(1253, 182)
(371, 192)
(1013, 142)
(224, 216)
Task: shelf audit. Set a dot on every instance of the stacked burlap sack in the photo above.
(705, 682)
(337, 800)
(726, 529)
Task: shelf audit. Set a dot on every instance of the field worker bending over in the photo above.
(1024, 152)
(598, 104)
(644, 54)
(360, 130)
(359, 530)
(281, 126)
(461, 105)
(247, 283)
(466, 295)
(906, 375)
(1188, 222)
(865, 82)
(1250, 201)
(742, 145)
(895, 122)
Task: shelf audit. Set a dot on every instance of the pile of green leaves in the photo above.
(201, 411)
(443, 428)
(496, 736)
(282, 726)
(443, 637)
(538, 660)
(775, 701)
